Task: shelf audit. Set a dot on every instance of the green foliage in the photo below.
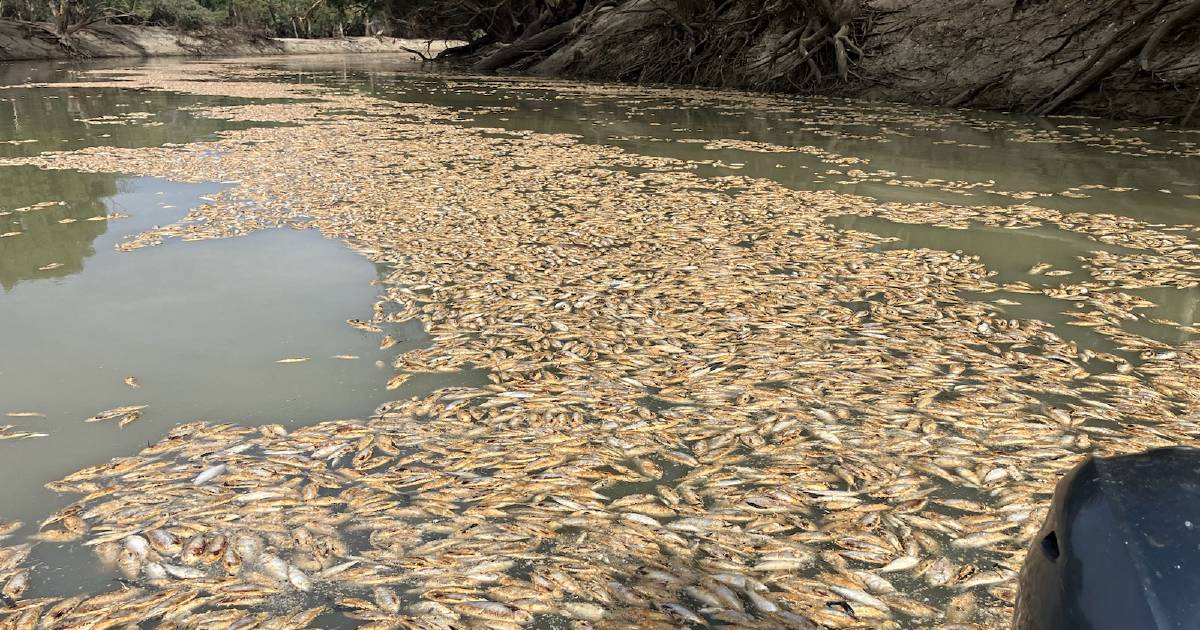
(31, 10)
(188, 15)
(297, 18)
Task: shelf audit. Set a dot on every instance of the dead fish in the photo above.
(493, 611)
(154, 571)
(138, 545)
(976, 541)
(298, 579)
(583, 610)
(274, 566)
(903, 563)
(680, 612)
(626, 595)
(16, 585)
(364, 326)
(209, 474)
(386, 599)
(164, 542)
(183, 573)
(132, 382)
(130, 564)
(860, 597)
(293, 360)
(759, 601)
(119, 412)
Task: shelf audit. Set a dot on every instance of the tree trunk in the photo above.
(521, 48)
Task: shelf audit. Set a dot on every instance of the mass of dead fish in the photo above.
(707, 406)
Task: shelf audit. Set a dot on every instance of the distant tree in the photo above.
(69, 16)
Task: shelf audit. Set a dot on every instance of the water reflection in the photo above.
(53, 240)
(33, 120)
(200, 325)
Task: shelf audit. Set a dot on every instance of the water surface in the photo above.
(202, 326)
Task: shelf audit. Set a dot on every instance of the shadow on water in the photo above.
(34, 120)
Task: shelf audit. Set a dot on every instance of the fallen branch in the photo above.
(424, 58)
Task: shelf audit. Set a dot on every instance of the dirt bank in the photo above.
(1120, 58)
(23, 41)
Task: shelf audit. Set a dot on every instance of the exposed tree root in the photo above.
(785, 44)
(1097, 67)
(1039, 56)
(1185, 15)
(1099, 54)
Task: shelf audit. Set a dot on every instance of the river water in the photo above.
(201, 327)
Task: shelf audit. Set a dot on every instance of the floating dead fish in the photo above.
(123, 413)
(704, 404)
(209, 474)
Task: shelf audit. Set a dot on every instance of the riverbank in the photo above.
(23, 41)
(1138, 59)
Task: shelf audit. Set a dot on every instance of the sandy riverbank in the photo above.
(20, 41)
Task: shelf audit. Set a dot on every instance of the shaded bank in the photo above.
(1122, 58)
(27, 41)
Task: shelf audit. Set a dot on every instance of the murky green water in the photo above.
(201, 325)
(962, 158)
